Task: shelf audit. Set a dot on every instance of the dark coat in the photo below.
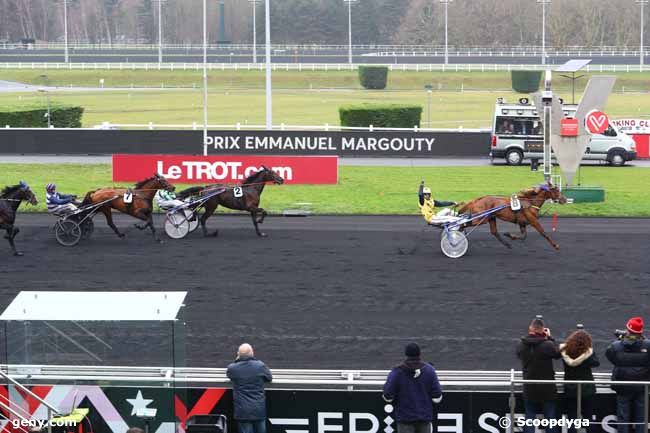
(579, 368)
(411, 387)
(631, 359)
(248, 376)
(537, 354)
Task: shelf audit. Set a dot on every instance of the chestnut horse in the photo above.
(10, 199)
(245, 197)
(531, 203)
(141, 206)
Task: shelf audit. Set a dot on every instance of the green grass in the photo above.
(300, 98)
(381, 190)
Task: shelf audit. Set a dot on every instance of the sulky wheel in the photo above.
(176, 225)
(193, 219)
(67, 232)
(454, 243)
(87, 228)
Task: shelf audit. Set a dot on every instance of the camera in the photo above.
(620, 333)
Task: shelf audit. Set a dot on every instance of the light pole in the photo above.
(641, 56)
(269, 94)
(544, 3)
(429, 89)
(160, 2)
(65, 30)
(254, 3)
(349, 2)
(446, 3)
(205, 78)
(47, 94)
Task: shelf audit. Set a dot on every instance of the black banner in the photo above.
(352, 144)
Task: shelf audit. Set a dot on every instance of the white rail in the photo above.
(424, 67)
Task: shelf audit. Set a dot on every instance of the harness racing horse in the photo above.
(531, 203)
(245, 197)
(140, 207)
(10, 199)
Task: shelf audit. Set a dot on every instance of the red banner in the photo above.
(569, 127)
(224, 169)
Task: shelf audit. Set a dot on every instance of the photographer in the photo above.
(537, 350)
(630, 355)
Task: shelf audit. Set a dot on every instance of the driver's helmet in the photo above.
(426, 190)
(50, 188)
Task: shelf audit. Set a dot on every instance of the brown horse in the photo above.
(245, 197)
(531, 203)
(10, 199)
(141, 201)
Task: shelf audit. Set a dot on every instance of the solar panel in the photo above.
(573, 65)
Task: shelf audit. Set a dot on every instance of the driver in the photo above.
(167, 200)
(59, 203)
(428, 207)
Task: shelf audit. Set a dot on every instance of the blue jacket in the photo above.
(631, 359)
(411, 387)
(248, 376)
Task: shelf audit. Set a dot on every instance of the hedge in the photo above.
(61, 117)
(373, 77)
(526, 81)
(383, 116)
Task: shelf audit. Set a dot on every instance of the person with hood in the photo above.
(248, 376)
(537, 350)
(630, 355)
(579, 358)
(414, 390)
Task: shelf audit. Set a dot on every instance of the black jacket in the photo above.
(579, 368)
(248, 376)
(537, 354)
(631, 359)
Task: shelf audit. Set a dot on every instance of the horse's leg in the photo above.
(532, 219)
(209, 210)
(146, 215)
(11, 234)
(254, 213)
(261, 219)
(495, 233)
(109, 220)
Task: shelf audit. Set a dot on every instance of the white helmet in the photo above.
(426, 190)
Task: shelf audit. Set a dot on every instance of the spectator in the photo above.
(579, 358)
(630, 355)
(413, 388)
(248, 376)
(537, 350)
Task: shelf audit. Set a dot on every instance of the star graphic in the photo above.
(138, 402)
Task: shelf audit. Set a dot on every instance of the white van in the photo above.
(517, 135)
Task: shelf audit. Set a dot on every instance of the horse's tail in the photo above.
(190, 191)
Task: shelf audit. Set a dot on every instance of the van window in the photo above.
(610, 132)
(518, 125)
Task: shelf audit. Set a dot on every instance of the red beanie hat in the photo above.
(635, 325)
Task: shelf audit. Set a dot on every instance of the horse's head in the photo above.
(269, 175)
(25, 193)
(160, 182)
(552, 192)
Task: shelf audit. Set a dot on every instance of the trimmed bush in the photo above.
(526, 81)
(383, 116)
(62, 117)
(373, 77)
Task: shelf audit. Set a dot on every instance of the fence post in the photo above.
(512, 401)
(645, 408)
(578, 401)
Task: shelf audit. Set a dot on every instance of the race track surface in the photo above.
(336, 292)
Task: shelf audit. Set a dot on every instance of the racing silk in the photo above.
(428, 206)
(54, 200)
(165, 195)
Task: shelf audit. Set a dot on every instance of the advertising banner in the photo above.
(313, 170)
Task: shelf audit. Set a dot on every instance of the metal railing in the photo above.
(411, 67)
